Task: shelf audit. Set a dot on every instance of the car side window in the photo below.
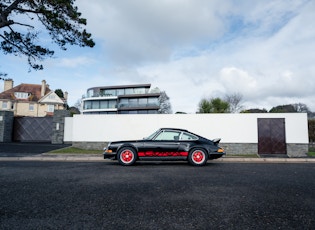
(168, 136)
(188, 137)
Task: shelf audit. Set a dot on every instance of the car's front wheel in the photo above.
(127, 156)
(197, 157)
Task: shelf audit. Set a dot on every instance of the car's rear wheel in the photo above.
(197, 157)
(127, 156)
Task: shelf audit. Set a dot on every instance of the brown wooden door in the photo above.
(271, 136)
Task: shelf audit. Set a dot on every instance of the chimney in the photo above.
(8, 84)
(65, 96)
(43, 89)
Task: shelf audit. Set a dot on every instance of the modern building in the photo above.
(122, 99)
(31, 100)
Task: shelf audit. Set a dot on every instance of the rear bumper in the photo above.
(216, 155)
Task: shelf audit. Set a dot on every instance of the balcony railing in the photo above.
(136, 105)
(101, 94)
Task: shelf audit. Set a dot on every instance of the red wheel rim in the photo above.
(198, 156)
(127, 156)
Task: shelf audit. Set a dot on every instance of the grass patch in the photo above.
(73, 150)
(311, 152)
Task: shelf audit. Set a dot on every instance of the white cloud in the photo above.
(145, 31)
(74, 62)
(195, 48)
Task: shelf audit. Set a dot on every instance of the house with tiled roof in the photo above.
(32, 100)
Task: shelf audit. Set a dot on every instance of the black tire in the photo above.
(127, 156)
(197, 157)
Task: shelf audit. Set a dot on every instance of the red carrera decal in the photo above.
(162, 154)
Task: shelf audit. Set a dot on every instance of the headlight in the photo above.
(105, 148)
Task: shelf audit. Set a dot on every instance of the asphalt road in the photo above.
(103, 195)
(20, 149)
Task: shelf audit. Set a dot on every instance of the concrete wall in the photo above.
(59, 126)
(239, 132)
(6, 126)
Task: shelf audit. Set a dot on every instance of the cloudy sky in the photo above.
(191, 49)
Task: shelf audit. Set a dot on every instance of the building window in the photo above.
(129, 91)
(138, 102)
(120, 92)
(139, 91)
(110, 92)
(111, 104)
(31, 107)
(133, 102)
(153, 101)
(152, 112)
(21, 95)
(51, 97)
(90, 93)
(95, 104)
(87, 105)
(4, 105)
(51, 108)
(103, 104)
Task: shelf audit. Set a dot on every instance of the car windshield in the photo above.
(151, 136)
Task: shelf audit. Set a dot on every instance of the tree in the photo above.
(213, 105)
(234, 101)
(282, 109)
(73, 110)
(290, 108)
(254, 111)
(301, 108)
(165, 104)
(78, 104)
(59, 92)
(204, 106)
(311, 130)
(61, 19)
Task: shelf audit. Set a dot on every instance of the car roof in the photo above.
(175, 129)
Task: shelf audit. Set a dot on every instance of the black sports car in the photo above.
(166, 144)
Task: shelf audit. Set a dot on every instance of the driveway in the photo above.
(20, 149)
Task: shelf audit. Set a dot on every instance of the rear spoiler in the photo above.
(216, 140)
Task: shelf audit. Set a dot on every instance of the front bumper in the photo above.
(109, 154)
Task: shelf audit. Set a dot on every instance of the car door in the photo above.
(187, 140)
(165, 144)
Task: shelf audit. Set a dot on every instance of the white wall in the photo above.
(68, 129)
(232, 128)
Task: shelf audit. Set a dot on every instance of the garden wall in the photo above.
(238, 132)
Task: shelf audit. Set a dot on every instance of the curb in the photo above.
(267, 160)
(96, 158)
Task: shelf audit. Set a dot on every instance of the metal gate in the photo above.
(32, 129)
(271, 136)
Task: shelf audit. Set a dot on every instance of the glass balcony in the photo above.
(97, 92)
